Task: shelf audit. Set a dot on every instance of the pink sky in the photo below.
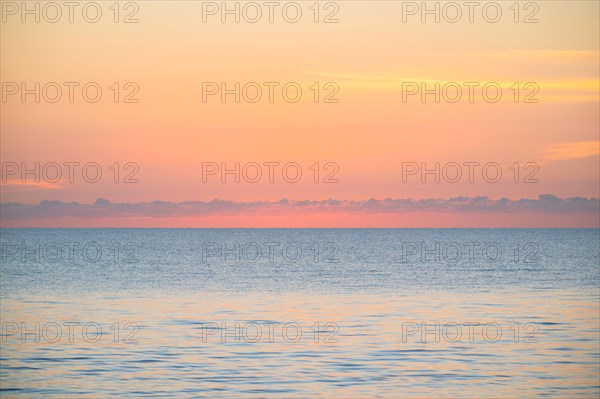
(360, 140)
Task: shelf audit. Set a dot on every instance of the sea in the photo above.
(300, 313)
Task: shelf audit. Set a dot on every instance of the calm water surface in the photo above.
(184, 313)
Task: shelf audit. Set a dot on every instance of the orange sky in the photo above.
(368, 56)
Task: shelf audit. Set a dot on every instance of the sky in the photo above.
(361, 146)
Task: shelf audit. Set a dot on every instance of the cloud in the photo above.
(545, 203)
(556, 89)
(580, 149)
(552, 85)
(17, 185)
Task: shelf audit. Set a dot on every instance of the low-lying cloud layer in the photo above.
(103, 208)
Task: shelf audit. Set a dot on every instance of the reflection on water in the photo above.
(367, 343)
(370, 358)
